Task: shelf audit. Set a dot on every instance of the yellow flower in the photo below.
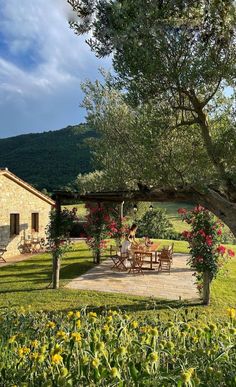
(105, 328)
(78, 323)
(109, 318)
(115, 373)
(134, 324)
(153, 357)
(187, 375)
(144, 329)
(56, 359)
(76, 336)
(77, 314)
(35, 343)
(231, 312)
(50, 324)
(95, 362)
(92, 314)
(112, 312)
(23, 351)
(12, 339)
(61, 335)
(34, 356)
(20, 352)
(70, 314)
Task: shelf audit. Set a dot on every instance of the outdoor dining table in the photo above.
(151, 254)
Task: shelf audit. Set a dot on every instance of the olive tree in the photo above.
(173, 60)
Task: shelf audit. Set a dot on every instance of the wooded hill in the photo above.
(49, 160)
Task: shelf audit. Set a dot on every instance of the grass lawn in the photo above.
(26, 283)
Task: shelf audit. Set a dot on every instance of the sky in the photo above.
(42, 65)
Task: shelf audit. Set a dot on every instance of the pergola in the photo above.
(119, 197)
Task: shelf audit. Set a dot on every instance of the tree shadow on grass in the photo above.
(155, 305)
(75, 269)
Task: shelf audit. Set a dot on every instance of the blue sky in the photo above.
(42, 64)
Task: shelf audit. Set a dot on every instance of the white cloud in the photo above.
(46, 61)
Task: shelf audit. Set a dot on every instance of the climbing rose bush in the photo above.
(102, 223)
(84, 348)
(207, 252)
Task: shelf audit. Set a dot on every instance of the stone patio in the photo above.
(178, 285)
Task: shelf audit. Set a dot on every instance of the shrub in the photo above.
(155, 224)
(113, 349)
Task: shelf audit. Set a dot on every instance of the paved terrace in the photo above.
(179, 284)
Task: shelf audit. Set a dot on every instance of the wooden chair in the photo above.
(171, 251)
(137, 262)
(118, 259)
(165, 260)
(3, 249)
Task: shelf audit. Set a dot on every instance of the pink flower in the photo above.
(231, 253)
(221, 249)
(198, 209)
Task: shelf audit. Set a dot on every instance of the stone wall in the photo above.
(15, 199)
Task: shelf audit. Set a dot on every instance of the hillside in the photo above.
(48, 160)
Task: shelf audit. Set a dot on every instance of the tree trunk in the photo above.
(206, 288)
(55, 272)
(98, 257)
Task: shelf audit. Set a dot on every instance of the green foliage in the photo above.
(48, 160)
(154, 224)
(58, 230)
(85, 348)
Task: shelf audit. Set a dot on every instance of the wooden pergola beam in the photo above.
(155, 195)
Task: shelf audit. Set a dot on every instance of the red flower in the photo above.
(221, 249)
(209, 240)
(182, 211)
(219, 232)
(199, 259)
(231, 253)
(202, 233)
(187, 234)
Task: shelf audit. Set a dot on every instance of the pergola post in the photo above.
(56, 258)
(121, 211)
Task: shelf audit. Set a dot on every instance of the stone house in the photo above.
(24, 213)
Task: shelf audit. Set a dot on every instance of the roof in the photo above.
(28, 187)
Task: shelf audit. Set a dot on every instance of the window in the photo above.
(14, 224)
(35, 221)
